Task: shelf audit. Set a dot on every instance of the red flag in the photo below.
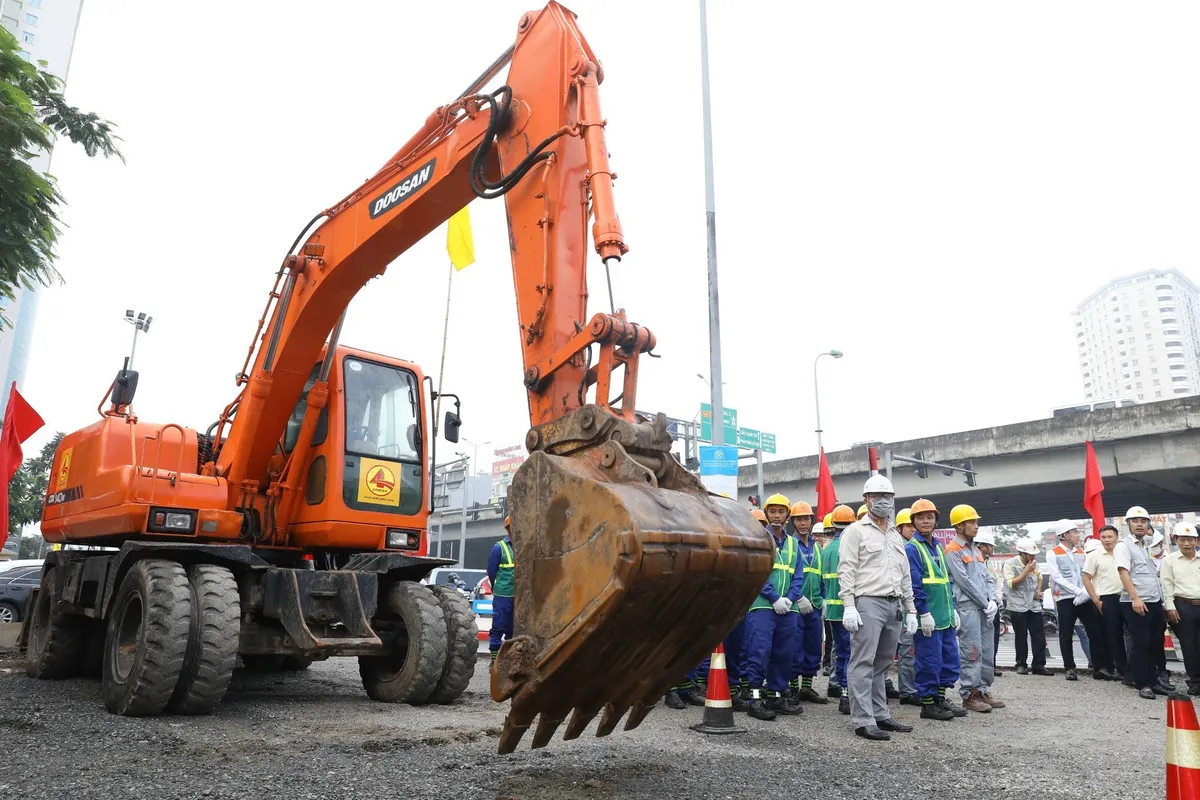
(826, 497)
(20, 422)
(1093, 485)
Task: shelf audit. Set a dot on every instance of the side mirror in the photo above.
(453, 423)
(124, 388)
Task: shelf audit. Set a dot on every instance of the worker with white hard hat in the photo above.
(1181, 599)
(877, 601)
(986, 543)
(1141, 604)
(1073, 602)
(1024, 600)
(975, 601)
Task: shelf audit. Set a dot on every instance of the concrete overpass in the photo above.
(1149, 455)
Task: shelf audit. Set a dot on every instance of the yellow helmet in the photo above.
(778, 500)
(904, 517)
(827, 523)
(862, 511)
(961, 514)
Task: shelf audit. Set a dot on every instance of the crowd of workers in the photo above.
(850, 596)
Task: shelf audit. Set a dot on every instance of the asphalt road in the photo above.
(316, 735)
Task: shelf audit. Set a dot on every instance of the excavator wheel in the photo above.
(212, 640)
(147, 641)
(56, 640)
(412, 672)
(462, 642)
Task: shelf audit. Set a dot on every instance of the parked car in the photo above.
(5, 566)
(15, 585)
(465, 580)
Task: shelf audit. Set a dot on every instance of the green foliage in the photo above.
(32, 113)
(1007, 535)
(27, 490)
(31, 547)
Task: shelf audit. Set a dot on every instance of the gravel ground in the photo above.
(316, 735)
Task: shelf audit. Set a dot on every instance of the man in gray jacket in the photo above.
(975, 601)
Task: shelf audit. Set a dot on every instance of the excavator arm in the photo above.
(628, 571)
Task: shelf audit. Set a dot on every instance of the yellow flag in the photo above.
(459, 243)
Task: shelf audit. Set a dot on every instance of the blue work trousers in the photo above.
(810, 629)
(937, 661)
(841, 652)
(770, 646)
(502, 622)
(735, 652)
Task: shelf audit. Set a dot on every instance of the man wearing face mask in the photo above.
(809, 622)
(770, 625)
(877, 597)
(1141, 604)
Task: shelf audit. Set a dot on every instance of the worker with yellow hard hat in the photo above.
(975, 604)
(862, 511)
(905, 664)
(501, 565)
(810, 625)
(770, 624)
(841, 518)
(935, 645)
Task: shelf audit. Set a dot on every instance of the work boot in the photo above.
(975, 702)
(935, 711)
(910, 700)
(953, 708)
(991, 701)
(844, 706)
(759, 710)
(1042, 671)
(833, 690)
(891, 690)
(811, 695)
(1022, 669)
(739, 703)
(673, 700)
(693, 697)
(1072, 675)
(782, 705)
(1164, 688)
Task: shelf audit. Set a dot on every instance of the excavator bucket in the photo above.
(628, 573)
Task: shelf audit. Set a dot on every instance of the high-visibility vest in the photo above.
(833, 604)
(813, 575)
(936, 583)
(504, 584)
(782, 572)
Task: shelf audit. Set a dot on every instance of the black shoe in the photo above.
(996, 673)
(1193, 690)
(872, 733)
(1072, 675)
(1118, 675)
(1100, 675)
(953, 708)
(1163, 688)
(934, 711)
(759, 710)
(1022, 669)
(673, 700)
(693, 697)
(782, 705)
(893, 726)
(1041, 671)
(910, 700)
(1164, 676)
(1146, 694)
(844, 706)
(833, 690)
(740, 704)
(811, 695)
(1129, 682)
(891, 690)
(827, 670)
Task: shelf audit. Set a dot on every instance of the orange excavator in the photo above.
(294, 528)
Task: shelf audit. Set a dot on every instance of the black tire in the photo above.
(9, 612)
(295, 663)
(410, 674)
(212, 640)
(462, 644)
(56, 640)
(147, 638)
(259, 662)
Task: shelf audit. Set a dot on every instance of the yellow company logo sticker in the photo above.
(377, 483)
(64, 470)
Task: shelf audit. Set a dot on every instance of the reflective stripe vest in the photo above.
(935, 581)
(833, 603)
(782, 572)
(503, 587)
(813, 575)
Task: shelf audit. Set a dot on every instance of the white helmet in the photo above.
(1156, 539)
(1091, 544)
(878, 484)
(818, 528)
(1185, 529)
(1023, 545)
(1063, 527)
(985, 537)
(1137, 512)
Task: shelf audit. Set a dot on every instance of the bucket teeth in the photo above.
(580, 719)
(639, 712)
(510, 735)
(545, 730)
(608, 722)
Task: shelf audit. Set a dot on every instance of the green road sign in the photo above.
(768, 443)
(730, 415)
(749, 438)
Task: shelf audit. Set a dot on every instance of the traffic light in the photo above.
(970, 474)
(922, 470)
(754, 500)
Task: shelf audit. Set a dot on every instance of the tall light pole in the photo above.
(710, 214)
(817, 392)
(462, 534)
(141, 323)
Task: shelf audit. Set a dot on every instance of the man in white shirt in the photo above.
(1141, 604)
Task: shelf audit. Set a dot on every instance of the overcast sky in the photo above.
(930, 187)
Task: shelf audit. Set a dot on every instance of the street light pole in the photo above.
(710, 213)
(462, 532)
(817, 393)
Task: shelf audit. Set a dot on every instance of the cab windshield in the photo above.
(382, 411)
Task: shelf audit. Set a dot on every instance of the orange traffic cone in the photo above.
(1169, 647)
(1183, 749)
(718, 706)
